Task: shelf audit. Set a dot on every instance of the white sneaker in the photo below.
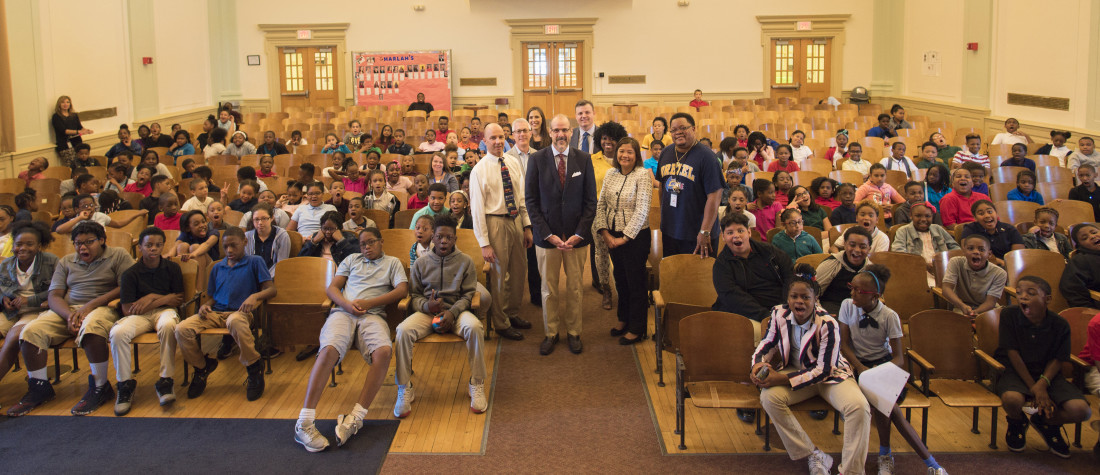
(937, 471)
(478, 402)
(347, 426)
(886, 464)
(820, 463)
(310, 437)
(405, 397)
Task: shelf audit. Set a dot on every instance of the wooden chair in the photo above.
(950, 367)
(133, 198)
(939, 266)
(1015, 212)
(380, 218)
(710, 366)
(397, 242)
(46, 187)
(1072, 212)
(295, 243)
(758, 176)
(192, 297)
(847, 176)
(1078, 319)
(296, 314)
(121, 239)
(999, 191)
(1006, 174)
(819, 165)
(897, 179)
(813, 260)
(135, 226)
(907, 290)
(1051, 174)
(1054, 191)
(232, 217)
(805, 177)
(403, 218)
(986, 330)
(682, 281)
(14, 186)
(1042, 263)
(61, 173)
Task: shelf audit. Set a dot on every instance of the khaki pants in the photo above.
(419, 325)
(50, 329)
(551, 262)
(239, 325)
(510, 270)
(845, 397)
(161, 320)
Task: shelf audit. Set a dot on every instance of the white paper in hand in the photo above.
(882, 385)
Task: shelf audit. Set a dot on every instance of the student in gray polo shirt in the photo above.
(370, 280)
(90, 276)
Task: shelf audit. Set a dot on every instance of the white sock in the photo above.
(99, 372)
(306, 416)
(359, 411)
(39, 373)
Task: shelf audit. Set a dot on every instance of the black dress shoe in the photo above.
(575, 344)
(618, 331)
(520, 323)
(746, 416)
(819, 415)
(623, 340)
(547, 345)
(510, 333)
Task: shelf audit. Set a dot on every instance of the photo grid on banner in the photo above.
(396, 77)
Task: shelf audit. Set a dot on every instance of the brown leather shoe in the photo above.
(575, 344)
(547, 345)
(510, 333)
(520, 323)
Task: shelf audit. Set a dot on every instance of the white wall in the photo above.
(933, 25)
(713, 45)
(1041, 51)
(183, 65)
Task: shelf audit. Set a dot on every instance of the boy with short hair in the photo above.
(305, 172)
(399, 146)
(27, 203)
(117, 178)
(1045, 237)
(955, 206)
(437, 197)
(237, 286)
(83, 157)
(67, 210)
(83, 285)
(161, 185)
(978, 175)
(169, 217)
(1086, 189)
(207, 175)
(150, 291)
(200, 197)
(914, 193)
(86, 211)
(1034, 342)
(423, 226)
(971, 283)
(364, 284)
(972, 153)
(70, 184)
(357, 218)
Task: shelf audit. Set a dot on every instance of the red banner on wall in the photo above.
(395, 78)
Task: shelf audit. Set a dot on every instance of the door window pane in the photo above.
(784, 63)
(567, 66)
(294, 71)
(322, 70)
(815, 63)
(537, 67)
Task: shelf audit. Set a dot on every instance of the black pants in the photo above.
(534, 279)
(628, 264)
(672, 246)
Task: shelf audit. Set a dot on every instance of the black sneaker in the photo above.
(165, 391)
(95, 396)
(746, 416)
(198, 380)
(228, 345)
(39, 391)
(125, 397)
(819, 415)
(1052, 434)
(1016, 435)
(254, 386)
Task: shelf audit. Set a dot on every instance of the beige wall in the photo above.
(933, 25)
(712, 45)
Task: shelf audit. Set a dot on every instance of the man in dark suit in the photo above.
(561, 202)
(584, 135)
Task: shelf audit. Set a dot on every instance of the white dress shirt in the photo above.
(487, 193)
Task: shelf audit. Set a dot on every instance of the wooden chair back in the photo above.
(987, 330)
(295, 315)
(45, 187)
(813, 260)
(1057, 190)
(1042, 263)
(1015, 212)
(945, 339)
(61, 173)
(467, 243)
(1006, 174)
(133, 198)
(121, 239)
(673, 314)
(1052, 174)
(806, 177)
(686, 279)
(380, 218)
(907, 290)
(939, 264)
(397, 242)
(62, 245)
(135, 226)
(403, 218)
(1078, 319)
(715, 346)
(1072, 212)
(847, 176)
(295, 243)
(232, 217)
(14, 186)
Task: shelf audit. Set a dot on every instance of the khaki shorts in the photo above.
(50, 329)
(370, 332)
(22, 319)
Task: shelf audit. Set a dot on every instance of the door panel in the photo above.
(307, 77)
(800, 68)
(817, 74)
(553, 76)
(292, 78)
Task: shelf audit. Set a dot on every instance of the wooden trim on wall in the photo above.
(324, 34)
(823, 26)
(7, 114)
(531, 30)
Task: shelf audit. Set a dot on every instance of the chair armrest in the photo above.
(1010, 291)
(1094, 294)
(658, 299)
(924, 364)
(1078, 362)
(989, 362)
(926, 370)
(328, 303)
(403, 305)
(475, 303)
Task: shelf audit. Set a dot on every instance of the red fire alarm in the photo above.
(972, 46)
(147, 60)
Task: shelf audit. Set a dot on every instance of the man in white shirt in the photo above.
(521, 132)
(585, 132)
(502, 229)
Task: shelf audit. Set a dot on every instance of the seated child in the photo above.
(978, 176)
(70, 184)
(792, 239)
(914, 194)
(246, 197)
(117, 178)
(86, 210)
(878, 191)
(971, 154)
(196, 240)
(845, 212)
(422, 227)
(1044, 236)
(419, 196)
(27, 203)
(437, 198)
(141, 184)
(1003, 237)
(736, 204)
(357, 219)
(459, 204)
(161, 184)
(67, 210)
(1033, 344)
(870, 335)
(1082, 273)
(169, 218)
(867, 218)
(1025, 188)
(200, 197)
(765, 208)
(267, 164)
(970, 282)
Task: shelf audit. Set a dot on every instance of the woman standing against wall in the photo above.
(67, 128)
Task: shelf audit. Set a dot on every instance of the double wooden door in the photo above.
(307, 76)
(800, 67)
(553, 76)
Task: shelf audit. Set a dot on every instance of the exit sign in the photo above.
(804, 26)
(305, 34)
(552, 29)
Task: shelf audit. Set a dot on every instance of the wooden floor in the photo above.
(719, 431)
(440, 423)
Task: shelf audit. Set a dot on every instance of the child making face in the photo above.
(168, 218)
(419, 198)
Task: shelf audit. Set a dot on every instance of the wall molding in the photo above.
(829, 27)
(530, 30)
(286, 34)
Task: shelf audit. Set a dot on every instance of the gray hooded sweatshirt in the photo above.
(453, 276)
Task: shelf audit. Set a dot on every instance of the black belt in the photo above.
(505, 215)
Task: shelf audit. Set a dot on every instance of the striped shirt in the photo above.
(825, 331)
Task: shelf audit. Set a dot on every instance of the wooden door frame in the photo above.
(286, 35)
(831, 27)
(532, 30)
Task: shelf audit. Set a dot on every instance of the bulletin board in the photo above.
(395, 77)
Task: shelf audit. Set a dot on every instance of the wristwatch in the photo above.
(705, 233)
